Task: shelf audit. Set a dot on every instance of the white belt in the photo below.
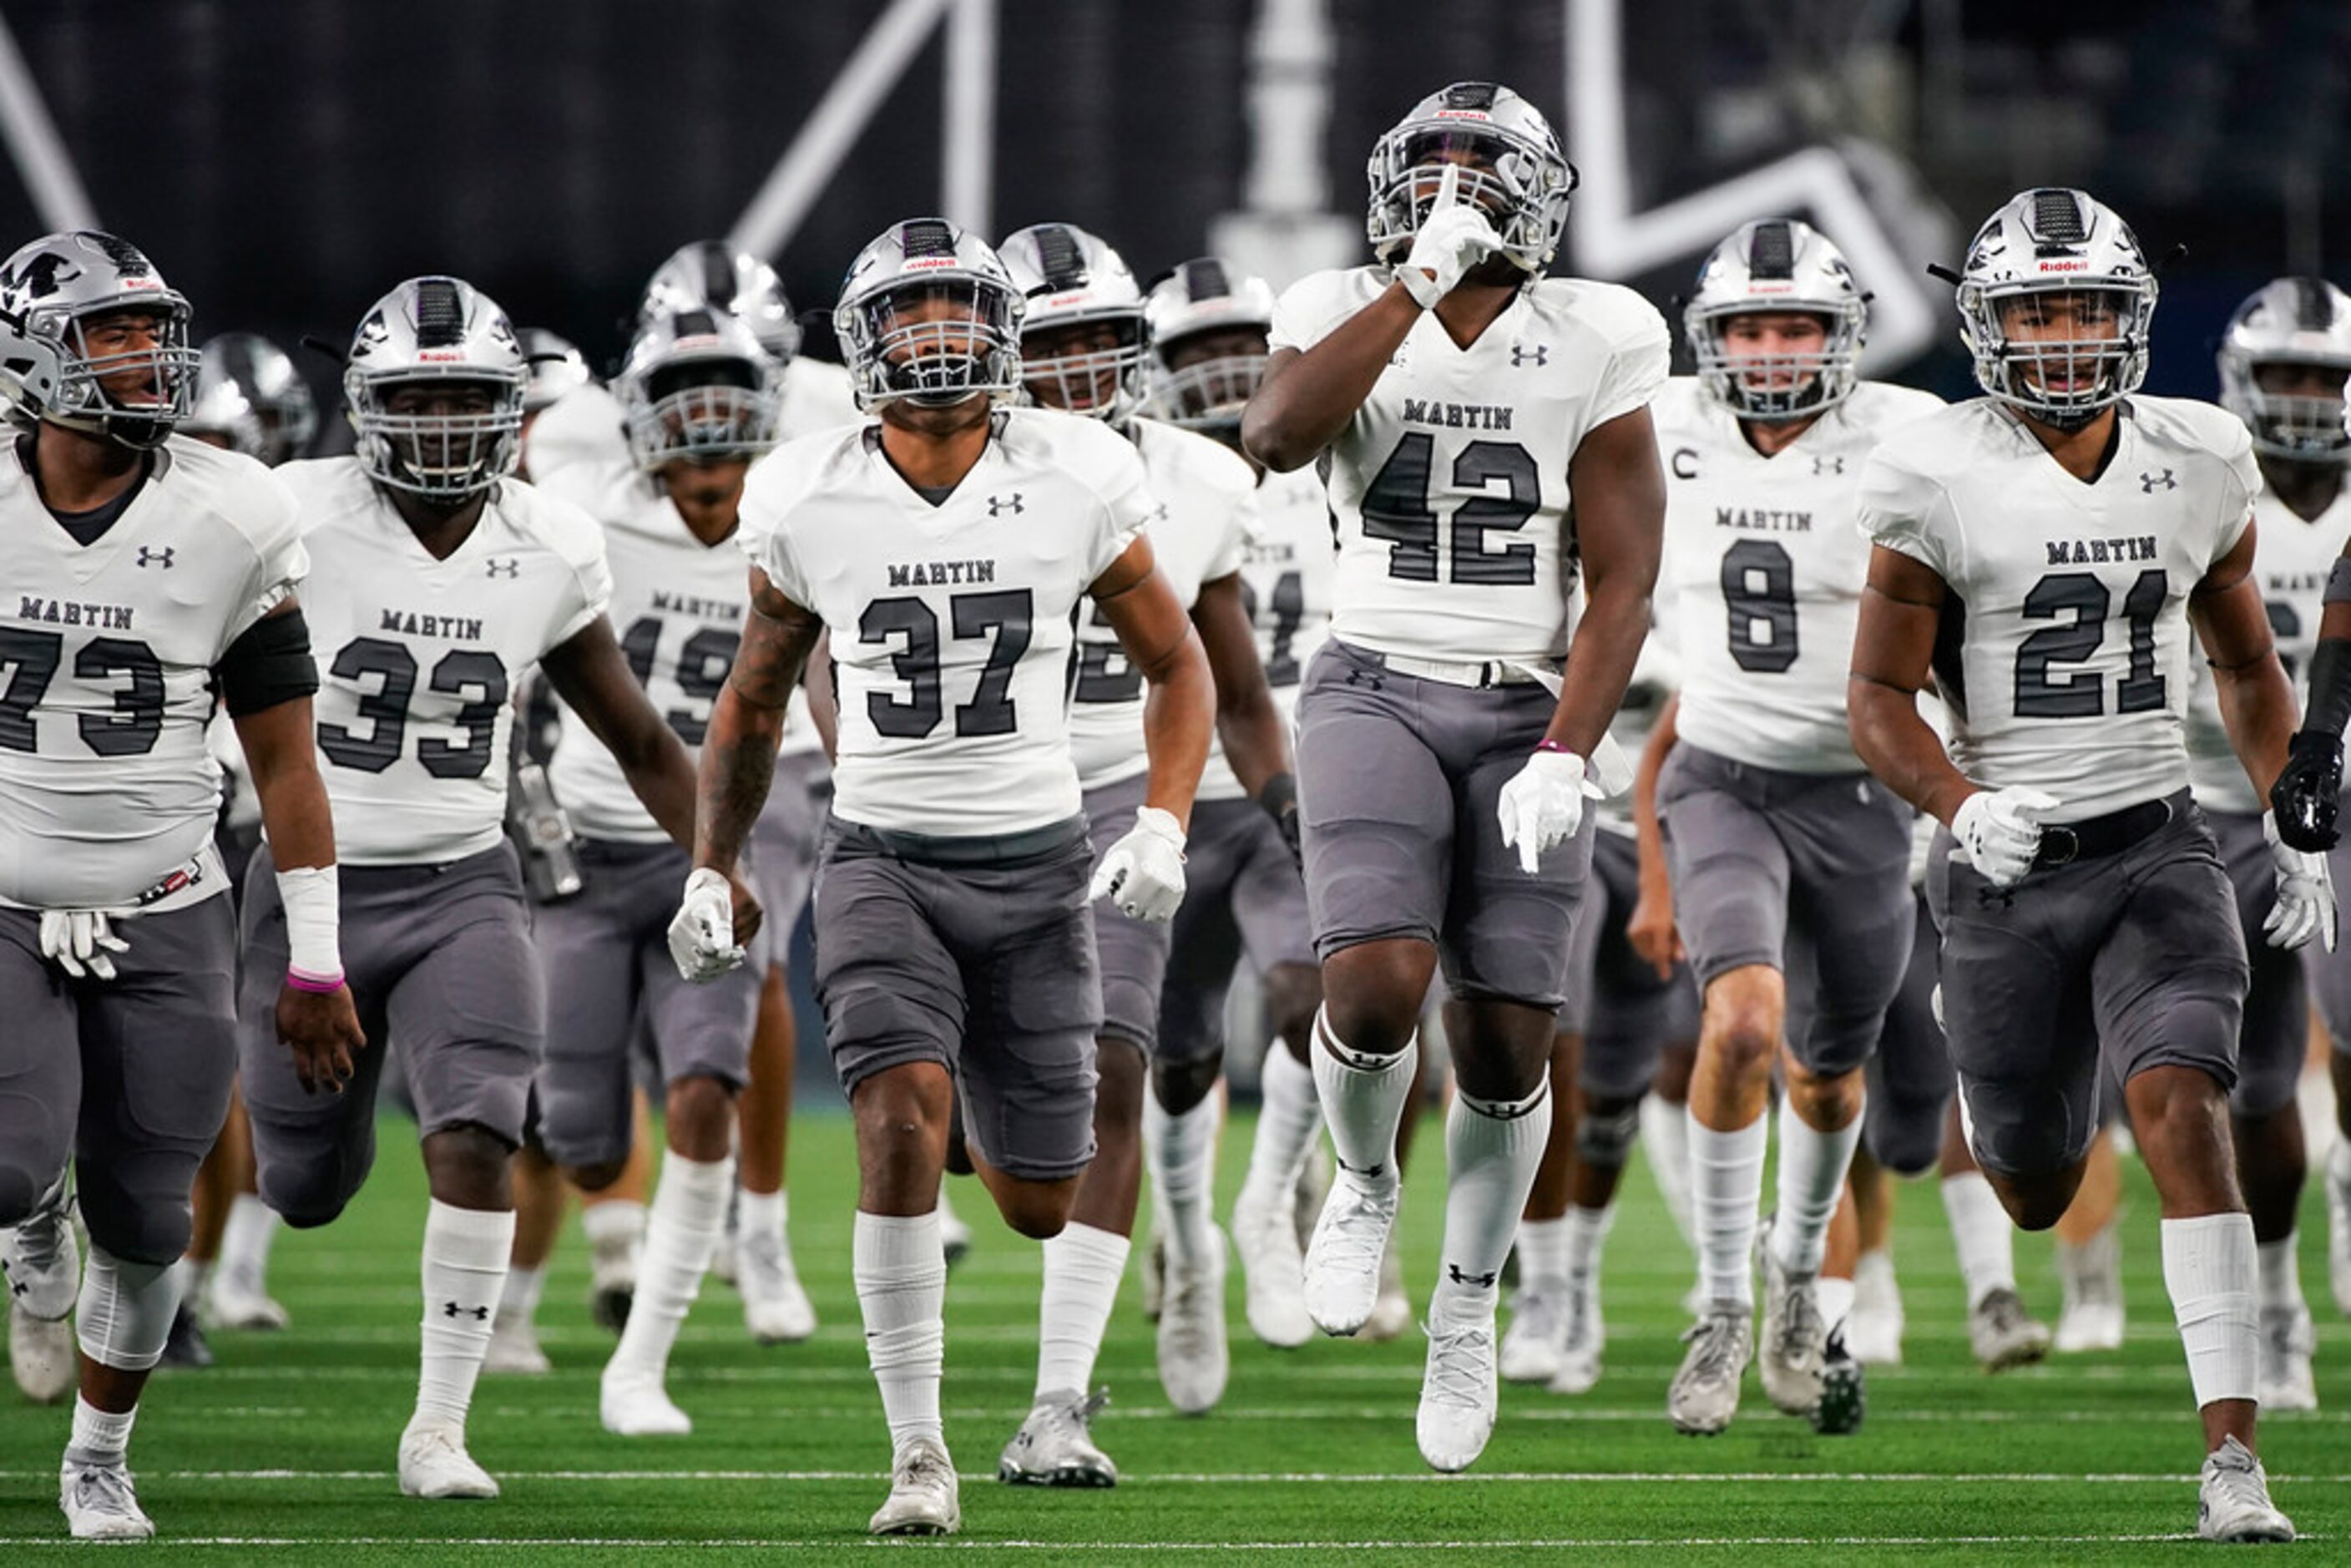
(1478, 673)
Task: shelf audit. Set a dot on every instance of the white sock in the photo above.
(2338, 1162)
(464, 1271)
(1493, 1149)
(1362, 1100)
(100, 1437)
(244, 1240)
(124, 1313)
(1835, 1296)
(1726, 1189)
(1542, 1254)
(2209, 1268)
(2280, 1277)
(615, 1228)
(1981, 1236)
(1812, 1176)
(764, 1214)
(1286, 1125)
(689, 1210)
(900, 1270)
(1083, 1266)
(1586, 1230)
(1664, 1129)
(519, 1299)
(1182, 1154)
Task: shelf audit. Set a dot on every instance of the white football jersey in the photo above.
(1449, 486)
(2291, 560)
(106, 670)
(1288, 568)
(1765, 569)
(2063, 656)
(1197, 531)
(951, 625)
(678, 608)
(584, 427)
(418, 658)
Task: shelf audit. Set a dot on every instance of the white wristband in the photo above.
(1418, 283)
(313, 924)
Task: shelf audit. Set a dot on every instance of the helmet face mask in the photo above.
(434, 383)
(2283, 362)
(928, 316)
(1082, 332)
(2056, 302)
(251, 399)
(1510, 163)
(1208, 327)
(94, 341)
(1776, 323)
(698, 387)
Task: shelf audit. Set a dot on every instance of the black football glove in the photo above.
(2309, 791)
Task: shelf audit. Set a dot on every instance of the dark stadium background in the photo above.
(284, 162)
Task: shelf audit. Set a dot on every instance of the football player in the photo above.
(437, 581)
(2042, 552)
(701, 398)
(557, 369)
(1207, 325)
(1785, 854)
(1082, 351)
(1460, 399)
(144, 570)
(949, 547)
(2283, 364)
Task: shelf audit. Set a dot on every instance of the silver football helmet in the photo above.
(1776, 265)
(250, 396)
(52, 292)
(1511, 165)
(556, 367)
(711, 274)
(929, 313)
(1071, 279)
(2047, 243)
(1199, 297)
(2303, 322)
(444, 331)
(697, 385)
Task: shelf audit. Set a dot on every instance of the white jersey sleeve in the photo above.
(1199, 525)
(2064, 652)
(817, 396)
(1766, 568)
(951, 626)
(107, 650)
(418, 658)
(1449, 486)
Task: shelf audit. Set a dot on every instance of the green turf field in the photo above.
(283, 1453)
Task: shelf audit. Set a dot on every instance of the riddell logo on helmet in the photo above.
(930, 263)
(138, 281)
(441, 356)
(1771, 286)
(1477, 114)
(1067, 297)
(2065, 266)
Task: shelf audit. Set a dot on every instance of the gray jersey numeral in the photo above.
(1005, 615)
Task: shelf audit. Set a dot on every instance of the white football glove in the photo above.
(1542, 805)
(1143, 874)
(79, 942)
(1455, 236)
(1999, 831)
(702, 933)
(2304, 905)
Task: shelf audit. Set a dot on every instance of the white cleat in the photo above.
(236, 1299)
(2338, 1237)
(1342, 1261)
(775, 1307)
(1459, 1395)
(1582, 1337)
(1194, 1361)
(2089, 1326)
(1873, 1330)
(1794, 1339)
(102, 1503)
(1392, 1314)
(41, 1263)
(633, 1405)
(1273, 1273)
(2283, 1381)
(2092, 1277)
(1704, 1392)
(514, 1348)
(1531, 1345)
(1055, 1446)
(2003, 1334)
(924, 1496)
(41, 1355)
(433, 1464)
(2233, 1504)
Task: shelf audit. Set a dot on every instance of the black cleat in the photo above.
(1843, 1401)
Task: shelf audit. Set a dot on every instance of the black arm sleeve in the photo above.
(268, 664)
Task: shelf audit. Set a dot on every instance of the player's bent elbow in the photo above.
(1263, 438)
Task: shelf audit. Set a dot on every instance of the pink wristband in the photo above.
(321, 983)
(1552, 745)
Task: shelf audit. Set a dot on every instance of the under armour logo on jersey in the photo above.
(148, 556)
(2148, 483)
(1158, 514)
(450, 1309)
(999, 505)
(1539, 354)
(504, 566)
(1824, 463)
(1483, 1281)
